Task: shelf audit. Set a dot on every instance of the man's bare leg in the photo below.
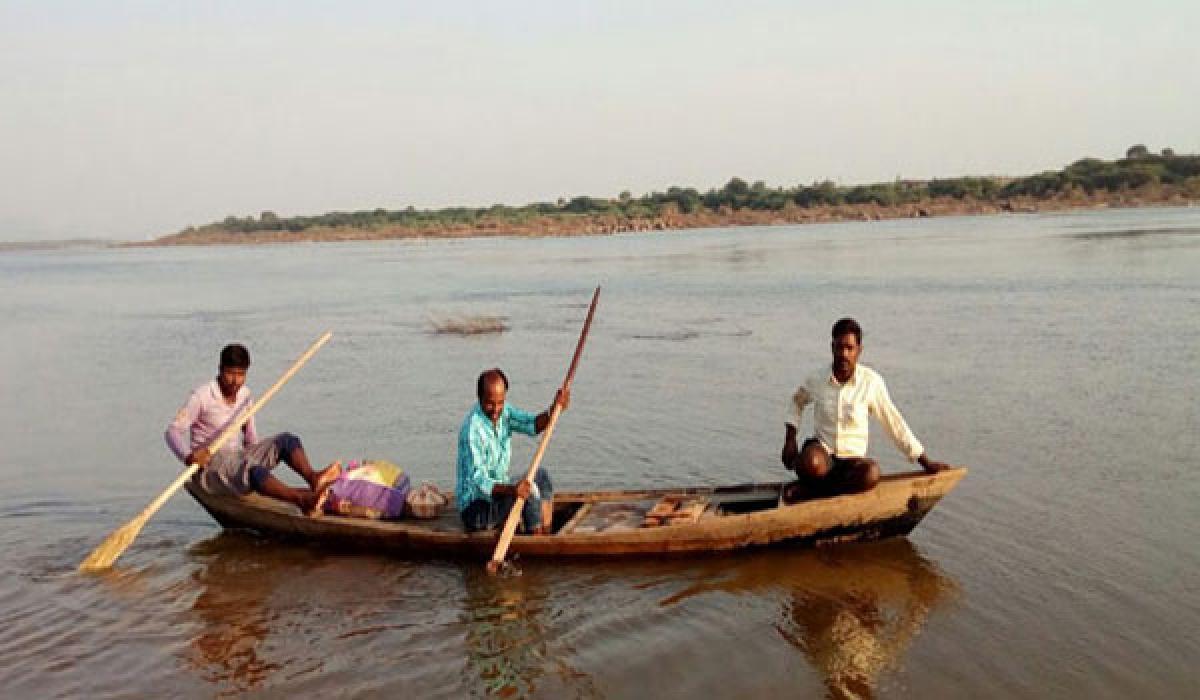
(811, 467)
(857, 475)
(317, 481)
(310, 500)
(815, 479)
(813, 462)
(304, 499)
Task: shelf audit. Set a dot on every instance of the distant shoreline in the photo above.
(1140, 179)
(59, 244)
(599, 225)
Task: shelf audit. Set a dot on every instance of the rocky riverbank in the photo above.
(672, 219)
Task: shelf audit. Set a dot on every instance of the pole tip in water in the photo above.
(503, 569)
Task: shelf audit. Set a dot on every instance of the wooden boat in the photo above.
(619, 523)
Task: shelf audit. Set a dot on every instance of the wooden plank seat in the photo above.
(675, 510)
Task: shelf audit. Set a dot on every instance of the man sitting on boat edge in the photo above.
(483, 492)
(243, 464)
(833, 461)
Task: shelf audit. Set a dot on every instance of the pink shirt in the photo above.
(205, 414)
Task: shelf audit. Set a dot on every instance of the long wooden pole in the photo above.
(514, 515)
(103, 556)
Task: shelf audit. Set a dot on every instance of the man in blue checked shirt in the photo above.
(483, 491)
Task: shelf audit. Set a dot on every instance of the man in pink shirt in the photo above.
(243, 463)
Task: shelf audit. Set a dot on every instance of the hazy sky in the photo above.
(135, 119)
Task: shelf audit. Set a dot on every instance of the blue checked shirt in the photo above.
(483, 451)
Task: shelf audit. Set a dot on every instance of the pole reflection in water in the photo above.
(508, 650)
(852, 610)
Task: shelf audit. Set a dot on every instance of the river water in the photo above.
(1057, 356)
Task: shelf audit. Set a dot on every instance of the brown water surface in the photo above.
(1056, 355)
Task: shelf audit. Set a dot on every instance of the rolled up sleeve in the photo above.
(796, 405)
(522, 421)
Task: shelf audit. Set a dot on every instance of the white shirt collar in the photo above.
(849, 382)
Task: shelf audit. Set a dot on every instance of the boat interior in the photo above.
(617, 511)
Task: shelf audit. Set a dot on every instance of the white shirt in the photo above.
(840, 412)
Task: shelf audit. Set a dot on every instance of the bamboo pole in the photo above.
(514, 515)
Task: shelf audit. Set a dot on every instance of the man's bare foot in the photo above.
(324, 480)
(317, 507)
(326, 477)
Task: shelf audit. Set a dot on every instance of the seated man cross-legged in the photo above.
(483, 492)
(244, 463)
(833, 461)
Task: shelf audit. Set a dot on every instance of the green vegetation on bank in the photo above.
(1138, 170)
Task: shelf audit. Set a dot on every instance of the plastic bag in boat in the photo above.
(426, 501)
(371, 488)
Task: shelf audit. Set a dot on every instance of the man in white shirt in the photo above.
(833, 461)
(244, 463)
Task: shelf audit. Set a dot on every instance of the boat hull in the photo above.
(735, 517)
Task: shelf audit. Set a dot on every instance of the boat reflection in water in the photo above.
(852, 610)
(276, 618)
(280, 618)
(231, 607)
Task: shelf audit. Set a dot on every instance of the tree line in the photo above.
(1139, 168)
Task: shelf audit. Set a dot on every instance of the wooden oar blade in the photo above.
(111, 548)
(103, 556)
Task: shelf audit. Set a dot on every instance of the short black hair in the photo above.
(847, 325)
(488, 376)
(235, 356)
